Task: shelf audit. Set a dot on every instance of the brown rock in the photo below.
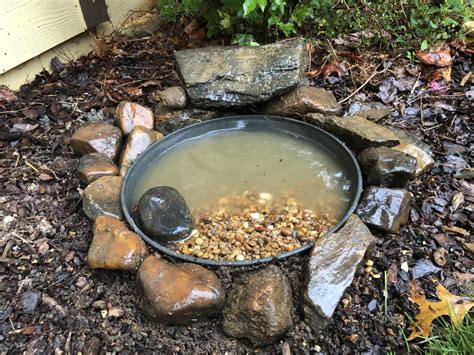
(259, 308)
(95, 165)
(424, 161)
(114, 246)
(385, 209)
(358, 132)
(97, 138)
(174, 97)
(332, 265)
(303, 100)
(138, 140)
(131, 114)
(181, 293)
(102, 197)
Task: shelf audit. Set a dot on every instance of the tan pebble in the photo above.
(369, 263)
(199, 241)
(240, 257)
(286, 232)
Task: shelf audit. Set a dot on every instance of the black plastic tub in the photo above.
(244, 123)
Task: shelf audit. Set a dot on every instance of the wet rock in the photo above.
(423, 267)
(174, 97)
(238, 76)
(358, 132)
(373, 111)
(178, 293)
(137, 141)
(407, 138)
(29, 301)
(259, 307)
(301, 101)
(331, 268)
(114, 246)
(164, 215)
(387, 167)
(102, 197)
(95, 165)
(131, 115)
(168, 121)
(97, 138)
(424, 161)
(385, 209)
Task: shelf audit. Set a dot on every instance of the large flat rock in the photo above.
(238, 76)
(331, 268)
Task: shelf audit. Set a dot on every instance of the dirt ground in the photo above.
(50, 300)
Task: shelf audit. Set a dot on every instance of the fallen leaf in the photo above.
(115, 312)
(456, 307)
(457, 200)
(465, 79)
(23, 127)
(446, 74)
(333, 68)
(440, 58)
(45, 177)
(6, 95)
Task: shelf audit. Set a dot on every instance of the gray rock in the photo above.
(301, 101)
(385, 209)
(373, 111)
(164, 215)
(174, 97)
(168, 121)
(259, 307)
(407, 138)
(422, 268)
(102, 197)
(238, 76)
(29, 301)
(358, 132)
(387, 167)
(372, 305)
(331, 268)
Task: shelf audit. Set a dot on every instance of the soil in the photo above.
(50, 300)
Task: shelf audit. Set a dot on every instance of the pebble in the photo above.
(95, 165)
(30, 300)
(102, 197)
(131, 115)
(174, 97)
(97, 138)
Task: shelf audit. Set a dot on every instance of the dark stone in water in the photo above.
(332, 265)
(239, 76)
(259, 308)
(385, 209)
(387, 167)
(164, 215)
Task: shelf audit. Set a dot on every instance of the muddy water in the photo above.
(216, 165)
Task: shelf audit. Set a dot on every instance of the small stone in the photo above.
(423, 267)
(131, 115)
(29, 301)
(102, 197)
(259, 307)
(404, 266)
(178, 293)
(138, 140)
(97, 138)
(358, 132)
(303, 100)
(373, 111)
(439, 256)
(164, 215)
(387, 167)
(95, 165)
(385, 209)
(114, 246)
(174, 97)
(372, 305)
(424, 161)
(331, 268)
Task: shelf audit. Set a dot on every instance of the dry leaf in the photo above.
(115, 312)
(457, 200)
(456, 307)
(466, 78)
(45, 177)
(7, 95)
(333, 67)
(446, 73)
(440, 58)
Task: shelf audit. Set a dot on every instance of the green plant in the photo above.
(452, 340)
(416, 24)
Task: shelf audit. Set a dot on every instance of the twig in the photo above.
(10, 261)
(362, 86)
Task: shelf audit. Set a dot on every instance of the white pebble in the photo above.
(255, 216)
(404, 266)
(266, 196)
(240, 257)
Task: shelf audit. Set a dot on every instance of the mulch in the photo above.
(44, 234)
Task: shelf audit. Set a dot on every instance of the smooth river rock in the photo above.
(357, 132)
(385, 209)
(332, 265)
(137, 141)
(95, 165)
(114, 246)
(102, 197)
(164, 215)
(174, 97)
(259, 307)
(131, 115)
(239, 76)
(178, 293)
(301, 101)
(387, 167)
(97, 138)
